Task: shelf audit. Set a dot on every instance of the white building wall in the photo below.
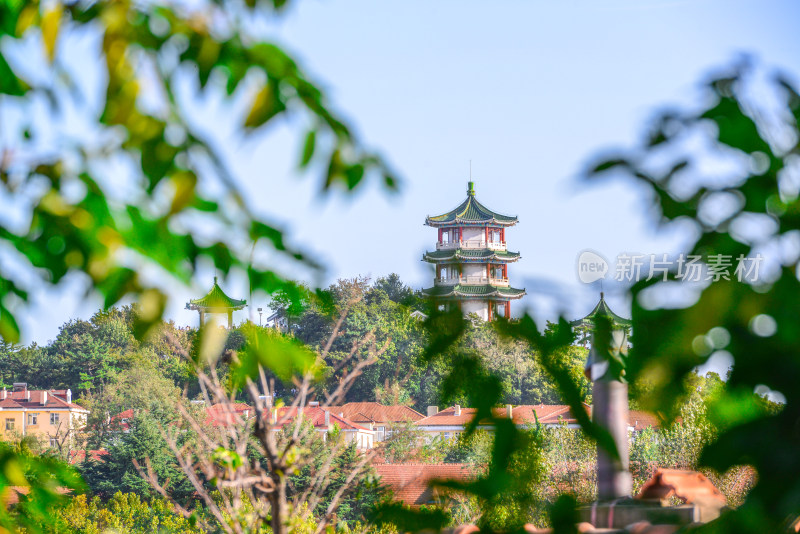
(474, 269)
(474, 236)
(478, 307)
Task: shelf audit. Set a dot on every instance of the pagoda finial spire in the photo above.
(471, 187)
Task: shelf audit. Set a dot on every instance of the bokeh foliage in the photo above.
(78, 221)
(178, 208)
(751, 210)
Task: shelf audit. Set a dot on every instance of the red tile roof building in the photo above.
(412, 483)
(453, 420)
(380, 417)
(323, 420)
(49, 414)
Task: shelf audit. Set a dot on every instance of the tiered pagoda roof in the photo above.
(471, 212)
(474, 291)
(465, 256)
(601, 309)
(216, 301)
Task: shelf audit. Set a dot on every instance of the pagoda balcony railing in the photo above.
(471, 280)
(492, 245)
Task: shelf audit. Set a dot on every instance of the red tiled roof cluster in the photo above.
(228, 413)
(410, 483)
(32, 399)
(640, 420)
(373, 412)
(547, 414)
(316, 415)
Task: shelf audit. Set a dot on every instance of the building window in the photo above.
(53, 442)
(54, 418)
(33, 418)
(9, 424)
(494, 235)
(447, 435)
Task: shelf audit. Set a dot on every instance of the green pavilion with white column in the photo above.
(471, 260)
(216, 301)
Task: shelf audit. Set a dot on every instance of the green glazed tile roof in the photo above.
(601, 309)
(477, 255)
(471, 211)
(471, 291)
(216, 299)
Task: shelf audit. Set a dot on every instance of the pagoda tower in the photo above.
(216, 301)
(471, 260)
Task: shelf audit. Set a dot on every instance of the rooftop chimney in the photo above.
(327, 418)
(457, 410)
(509, 411)
(44, 398)
(4, 393)
(313, 403)
(69, 395)
(20, 386)
(433, 410)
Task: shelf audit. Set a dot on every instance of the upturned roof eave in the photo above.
(456, 255)
(497, 293)
(216, 301)
(463, 222)
(482, 216)
(602, 308)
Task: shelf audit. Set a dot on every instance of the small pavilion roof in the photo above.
(602, 308)
(474, 291)
(471, 212)
(216, 300)
(462, 255)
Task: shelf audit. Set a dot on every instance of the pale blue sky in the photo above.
(529, 91)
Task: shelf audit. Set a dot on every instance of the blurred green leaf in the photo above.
(286, 357)
(308, 148)
(9, 83)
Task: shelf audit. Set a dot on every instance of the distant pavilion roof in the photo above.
(216, 301)
(466, 256)
(601, 309)
(471, 212)
(474, 291)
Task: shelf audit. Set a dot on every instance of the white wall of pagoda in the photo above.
(472, 272)
(473, 236)
(478, 307)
